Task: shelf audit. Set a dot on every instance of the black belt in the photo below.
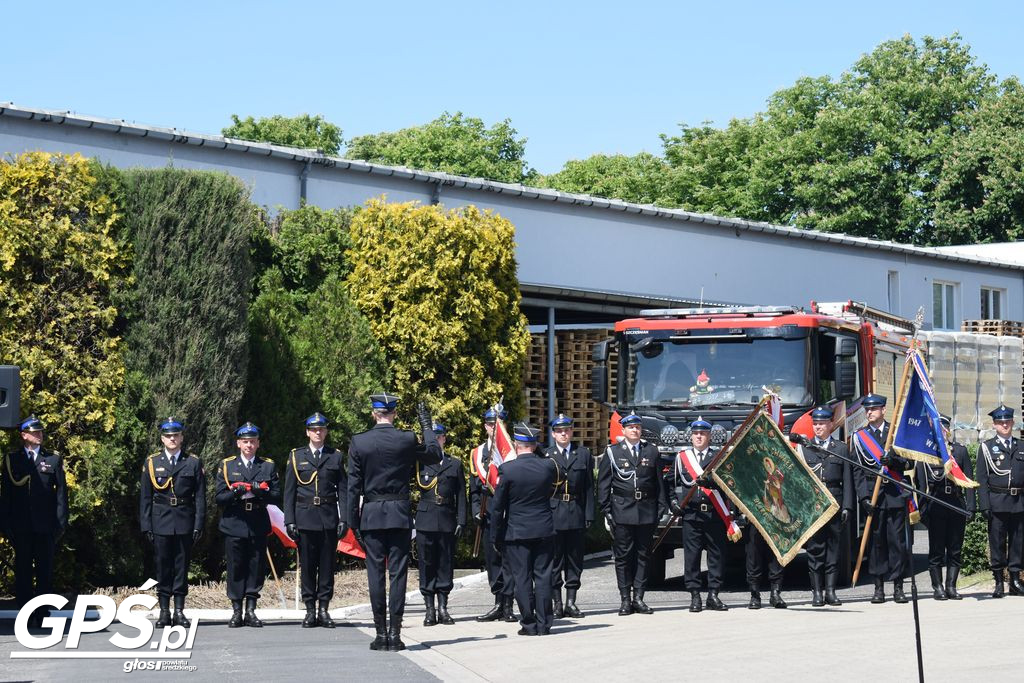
(173, 501)
(251, 505)
(318, 500)
(440, 500)
(378, 497)
(1013, 491)
(641, 495)
(835, 484)
(564, 497)
(942, 488)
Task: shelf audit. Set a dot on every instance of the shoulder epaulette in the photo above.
(154, 455)
(230, 457)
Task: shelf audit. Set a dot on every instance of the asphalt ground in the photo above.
(852, 642)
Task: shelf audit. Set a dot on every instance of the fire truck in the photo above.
(671, 366)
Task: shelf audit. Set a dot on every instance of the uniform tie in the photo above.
(316, 456)
(636, 451)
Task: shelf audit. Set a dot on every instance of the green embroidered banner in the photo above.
(773, 487)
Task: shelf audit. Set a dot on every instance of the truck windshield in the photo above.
(692, 373)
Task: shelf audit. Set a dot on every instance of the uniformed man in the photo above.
(945, 527)
(837, 475)
(632, 496)
(1001, 496)
(524, 528)
(35, 509)
(480, 492)
(315, 509)
(573, 507)
(246, 484)
(440, 518)
(172, 514)
(703, 528)
(380, 467)
(888, 558)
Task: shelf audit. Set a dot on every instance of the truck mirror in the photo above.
(847, 347)
(599, 354)
(599, 383)
(846, 379)
(10, 396)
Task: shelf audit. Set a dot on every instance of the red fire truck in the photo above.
(672, 366)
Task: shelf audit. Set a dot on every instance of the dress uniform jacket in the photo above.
(34, 494)
(630, 488)
(522, 507)
(442, 504)
(834, 472)
(932, 478)
(380, 467)
(1001, 476)
(173, 499)
(246, 517)
(573, 500)
(890, 495)
(315, 491)
(699, 507)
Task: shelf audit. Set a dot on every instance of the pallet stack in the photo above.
(998, 328)
(573, 364)
(1009, 354)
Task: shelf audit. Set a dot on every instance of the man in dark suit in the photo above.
(380, 467)
(632, 495)
(837, 475)
(945, 527)
(172, 513)
(315, 505)
(888, 558)
(524, 528)
(1001, 498)
(573, 508)
(440, 518)
(246, 484)
(34, 496)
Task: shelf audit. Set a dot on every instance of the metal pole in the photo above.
(551, 369)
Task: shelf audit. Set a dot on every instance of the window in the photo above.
(944, 305)
(894, 291)
(992, 303)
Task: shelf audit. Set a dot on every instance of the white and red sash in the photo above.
(688, 459)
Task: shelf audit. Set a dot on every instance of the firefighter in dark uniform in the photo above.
(888, 558)
(34, 495)
(945, 527)
(172, 514)
(573, 507)
(703, 529)
(837, 475)
(480, 494)
(1001, 499)
(315, 505)
(524, 528)
(440, 518)
(246, 484)
(380, 467)
(632, 496)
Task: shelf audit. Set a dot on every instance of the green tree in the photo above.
(451, 143)
(440, 291)
(640, 178)
(307, 339)
(308, 132)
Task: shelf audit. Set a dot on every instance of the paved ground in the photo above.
(837, 642)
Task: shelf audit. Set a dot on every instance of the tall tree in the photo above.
(640, 178)
(452, 143)
(309, 132)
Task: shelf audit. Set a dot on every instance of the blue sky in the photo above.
(575, 78)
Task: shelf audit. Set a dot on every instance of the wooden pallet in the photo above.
(998, 328)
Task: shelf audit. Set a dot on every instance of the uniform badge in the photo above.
(995, 449)
(160, 469)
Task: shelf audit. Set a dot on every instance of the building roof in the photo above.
(122, 127)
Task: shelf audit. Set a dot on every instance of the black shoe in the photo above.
(165, 612)
(938, 592)
(695, 604)
(571, 610)
(236, 614)
(509, 613)
(755, 600)
(997, 592)
(395, 639)
(557, 611)
(897, 592)
(495, 612)
(323, 616)
(626, 608)
(251, 620)
(817, 598)
(178, 618)
(879, 597)
(310, 620)
(381, 626)
(1016, 588)
(430, 618)
(714, 603)
(639, 606)
(775, 600)
(830, 591)
(525, 632)
(952, 573)
(442, 610)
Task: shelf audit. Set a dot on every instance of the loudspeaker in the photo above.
(10, 396)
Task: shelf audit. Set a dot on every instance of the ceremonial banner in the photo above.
(773, 487)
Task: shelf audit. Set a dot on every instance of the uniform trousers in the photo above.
(1006, 540)
(530, 562)
(387, 551)
(888, 544)
(317, 552)
(172, 552)
(568, 563)
(33, 556)
(436, 550)
(498, 575)
(823, 548)
(246, 568)
(703, 535)
(758, 557)
(945, 537)
(631, 544)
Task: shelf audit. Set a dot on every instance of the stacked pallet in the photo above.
(573, 365)
(998, 328)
